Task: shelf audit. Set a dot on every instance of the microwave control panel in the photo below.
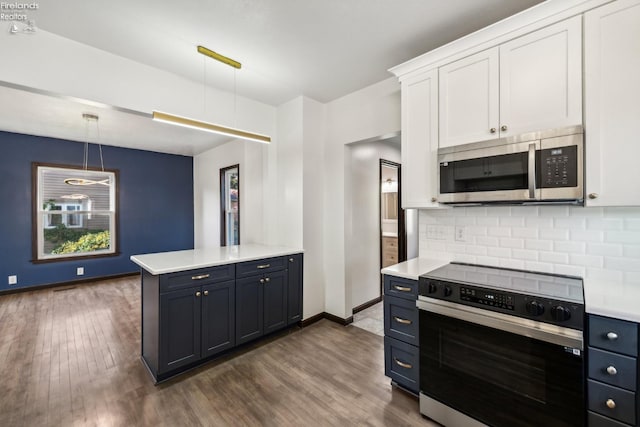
(559, 167)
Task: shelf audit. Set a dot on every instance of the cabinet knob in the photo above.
(611, 404)
(261, 280)
(433, 200)
(266, 279)
(290, 259)
(503, 128)
(493, 130)
(611, 370)
(593, 196)
(198, 294)
(612, 336)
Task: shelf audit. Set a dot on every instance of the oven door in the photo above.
(499, 369)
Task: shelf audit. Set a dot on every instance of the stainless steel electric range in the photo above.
(501, 347)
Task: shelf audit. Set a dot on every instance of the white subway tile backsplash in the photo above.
(586, 260)
(499, 231)
(553, 234)
(524, 254)
(538, 245)
(569, 246)
(511, 243)
(553, 257)
(599, 243)
(572, 223)
(605, 249)
(604, 224)
(530, 233)
(586, 235)
(499, 252)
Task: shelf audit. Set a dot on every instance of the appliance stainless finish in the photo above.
(501, 347)
(532, 168)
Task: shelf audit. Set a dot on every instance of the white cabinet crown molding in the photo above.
(522, 23)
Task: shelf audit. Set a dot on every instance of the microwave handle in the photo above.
(532, 171)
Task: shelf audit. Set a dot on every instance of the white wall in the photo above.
(206, 188)
(363, 247)
(368, 113)
(599, 244)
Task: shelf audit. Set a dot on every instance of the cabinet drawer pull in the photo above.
(401, 320)
(611, 370)
(401, 288)
(260, 267)
(503, 128)
(593, 196)
(206, 293)
(200, 277)
(402, 364)
(612, 336)
(261, 280)
(290, 259)
(492, 130)
(198, 294)
(266, 279)
(611, 404)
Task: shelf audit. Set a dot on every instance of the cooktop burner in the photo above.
(537, 296)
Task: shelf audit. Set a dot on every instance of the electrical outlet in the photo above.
(13, 280)
(80, 271)
(461, 234)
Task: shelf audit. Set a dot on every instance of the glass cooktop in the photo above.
(551, 286)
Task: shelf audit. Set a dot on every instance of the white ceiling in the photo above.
(323, 49)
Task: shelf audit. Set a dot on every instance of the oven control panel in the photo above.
(542, 309)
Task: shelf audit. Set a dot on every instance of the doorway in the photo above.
(393, 248)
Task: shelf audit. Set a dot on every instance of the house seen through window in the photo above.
(74, 212)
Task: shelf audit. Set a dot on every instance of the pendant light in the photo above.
(173, 119)
(89, 118)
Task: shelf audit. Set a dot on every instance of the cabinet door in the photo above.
(541, 79)
(294, 286)
(249, 309)
(420, 141)
(468, 104)
(612, 106)
(180, 328)
(275, 301)
(218, 317)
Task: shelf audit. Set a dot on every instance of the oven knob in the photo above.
(447, 291)
(560, 313)
(534, 308)
(432, 288)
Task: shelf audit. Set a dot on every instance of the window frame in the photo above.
(38, 228)
(223, 200)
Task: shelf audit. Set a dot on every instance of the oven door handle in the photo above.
(529, 328)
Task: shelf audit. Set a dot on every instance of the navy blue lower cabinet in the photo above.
(275, 301)
(294, 286)
(249, 309)
(401, 362)
(179, 329)
(218, 317)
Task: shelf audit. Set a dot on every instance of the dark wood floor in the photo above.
(72, 357)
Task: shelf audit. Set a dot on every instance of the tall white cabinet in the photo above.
(531, 83)
(420, 140)
(612, 104)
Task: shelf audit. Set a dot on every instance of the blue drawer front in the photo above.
(401, 319)
(401, 288)
(401, 363)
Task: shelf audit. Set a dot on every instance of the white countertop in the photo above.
(617, 300)
(413, 268)
(170, 262)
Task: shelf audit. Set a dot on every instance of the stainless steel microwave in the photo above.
(540, 167)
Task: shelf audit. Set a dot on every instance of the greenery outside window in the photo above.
(74, 212)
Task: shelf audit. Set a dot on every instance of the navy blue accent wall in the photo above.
(155, 207)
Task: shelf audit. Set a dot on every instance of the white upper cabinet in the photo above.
(612, 104)
(541, 79)
(531, 83)
(420, 140)
(469, 109)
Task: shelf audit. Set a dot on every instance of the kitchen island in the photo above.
(200, 303)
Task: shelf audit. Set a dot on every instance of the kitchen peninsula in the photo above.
(197, 304)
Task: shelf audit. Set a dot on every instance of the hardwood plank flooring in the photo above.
(71, 357)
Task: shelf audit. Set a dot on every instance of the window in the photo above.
(74, 212)
(230, 206)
